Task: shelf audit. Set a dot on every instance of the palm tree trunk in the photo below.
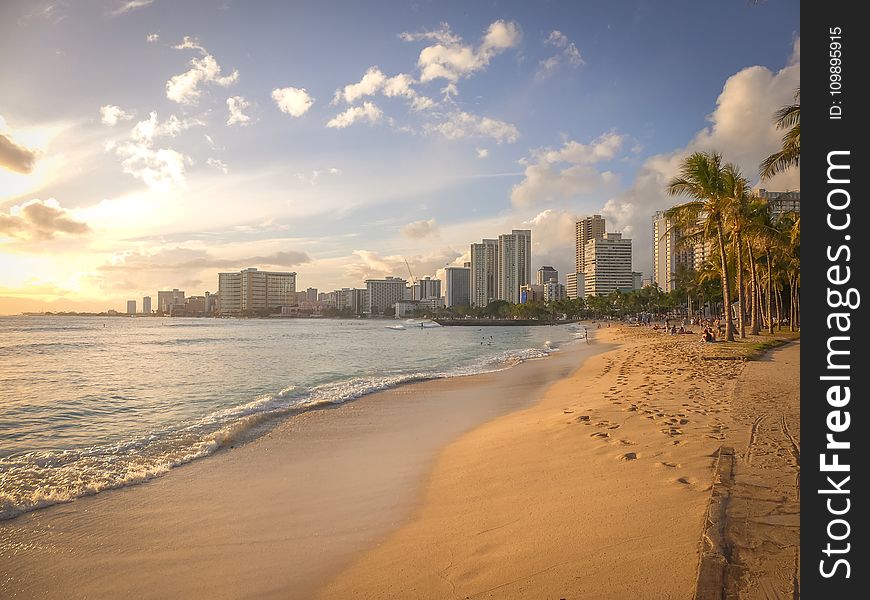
(741, 292)
(726, 287)
(753, 277)
(769, 294)
(778, 308)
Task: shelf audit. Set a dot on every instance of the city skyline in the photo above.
(256, 158)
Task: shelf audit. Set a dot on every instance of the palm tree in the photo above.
(738, 195)
(702, 177)
(787, 117)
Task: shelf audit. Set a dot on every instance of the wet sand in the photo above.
(274, 518)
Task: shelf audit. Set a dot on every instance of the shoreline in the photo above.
(354, 474)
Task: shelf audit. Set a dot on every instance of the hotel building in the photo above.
(383, 294)
(484, 272)
(457, 284)
(252, 291)
(514, 264)
(586, 229)
(608, 265)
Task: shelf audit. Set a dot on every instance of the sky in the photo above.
(150, 144)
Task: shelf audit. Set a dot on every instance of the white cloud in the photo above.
(111, 114)
(482, 152)
(451, 59)
(314, 176)
(374, 81)
(462, 124)
(367, 112)
(293, 101)
(131, 5)
(152, 37)
(553, 175)
(160, 168)
(372, 265)
(236, 105)
(218, 164)
(741, 129)
(420, 229)
(185, 87)
(566, 53)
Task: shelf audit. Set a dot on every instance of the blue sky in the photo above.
(474, 118)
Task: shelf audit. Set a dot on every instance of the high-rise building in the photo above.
(586, 229)
(131, 307)
(553, 290)
(457, 283)
(484, 272)
(781, 202)
(545, 274)
(637, 278)
(166, 299)
(514, 264)
(252, 291)
(426, 288)
(667, 253)
(312, 294)
(146, 305)
(608, 265)
(575, 285)
(383, 294)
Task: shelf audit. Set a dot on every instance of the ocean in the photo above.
(95, 403)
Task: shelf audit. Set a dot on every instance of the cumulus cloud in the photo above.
(367, 112)
(452, 59)
(159, 168)
(553, 239)
(181, 258)
(460, 125)
(741, 129)
(39, 220)
(553, 175)
(374, 81)
(218, 164)
(152, 37)
(184, 88)
(420, 229)
(110, 115)
(566, 53)
(236, 106)
(293, 101)
(481, 152)
(16, 157)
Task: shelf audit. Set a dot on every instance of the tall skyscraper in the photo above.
(586, 229)
(146, 305)
(545, 274)
(458, 286)
(131, 307)
(484, 272)
(608, 265)
(254, 291)
(514, 263)
(667, 255)
(426, 288)
(575, 285)
(383, 294)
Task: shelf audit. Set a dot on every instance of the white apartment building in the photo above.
(514, 264)
(484, 272)
(254, 291)
(608, 265)
(383, 294)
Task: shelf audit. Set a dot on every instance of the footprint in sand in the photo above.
(670, 465)
(600, 434)
(685, 480)
(629, 456)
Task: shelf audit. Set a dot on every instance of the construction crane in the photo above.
(413, 279)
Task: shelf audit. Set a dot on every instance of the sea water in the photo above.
(94, 403)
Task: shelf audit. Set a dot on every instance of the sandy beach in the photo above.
(590, 474)
(602, 489)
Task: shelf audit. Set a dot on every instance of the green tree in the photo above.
(702, 177)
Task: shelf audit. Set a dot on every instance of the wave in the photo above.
(34, 480)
